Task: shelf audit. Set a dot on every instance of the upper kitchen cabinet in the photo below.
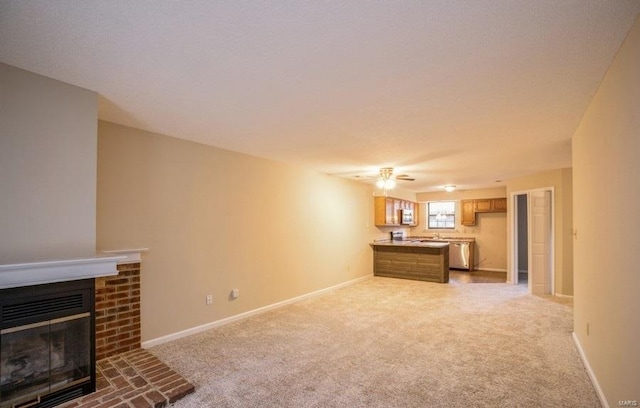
(468, 213)
(388, 212)
(485, 205)
(499, 204)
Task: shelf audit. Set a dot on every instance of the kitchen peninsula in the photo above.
(411, 259)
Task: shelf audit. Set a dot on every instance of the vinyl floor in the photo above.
(460, 276)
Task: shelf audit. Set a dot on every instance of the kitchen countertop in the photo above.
(443, 239)
(411, 242)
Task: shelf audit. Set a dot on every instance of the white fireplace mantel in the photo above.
(36, 273)
(127, 255)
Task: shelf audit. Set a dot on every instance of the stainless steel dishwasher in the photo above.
(459, 255)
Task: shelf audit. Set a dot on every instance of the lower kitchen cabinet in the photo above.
(425, 262)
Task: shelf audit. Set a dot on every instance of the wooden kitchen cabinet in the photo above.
(387, 211)
(499, 204)
(424, 262)
(491, 205)
(484, 205)
(468, 213)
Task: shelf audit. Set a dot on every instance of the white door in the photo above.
(540, 243)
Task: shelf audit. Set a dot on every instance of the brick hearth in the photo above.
(127, 375)
(135, 379)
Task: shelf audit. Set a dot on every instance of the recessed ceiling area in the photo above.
(448, 92)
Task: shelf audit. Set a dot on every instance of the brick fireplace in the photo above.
(118, 311)
(121, 373)
(127, 375)
(47, 337)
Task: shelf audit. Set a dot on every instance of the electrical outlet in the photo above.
(209, 299)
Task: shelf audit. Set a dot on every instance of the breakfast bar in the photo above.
(417, 260)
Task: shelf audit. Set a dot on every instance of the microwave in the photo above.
(406, 216)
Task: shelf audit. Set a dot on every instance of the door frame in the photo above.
(513, 239)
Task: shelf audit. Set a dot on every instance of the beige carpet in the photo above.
(391, 343)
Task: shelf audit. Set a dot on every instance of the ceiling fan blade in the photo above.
(404, 177)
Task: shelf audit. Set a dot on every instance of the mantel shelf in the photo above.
(37, 273)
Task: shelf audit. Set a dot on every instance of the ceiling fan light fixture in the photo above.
(385, 184)
(386, 181)
(449, 188)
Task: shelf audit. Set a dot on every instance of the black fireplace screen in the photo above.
(42, 358)
(47, 353)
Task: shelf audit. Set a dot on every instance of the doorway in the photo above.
(532, 240)
(522, 241)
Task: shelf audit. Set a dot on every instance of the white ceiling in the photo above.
(461, 92)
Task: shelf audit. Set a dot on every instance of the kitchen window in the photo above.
(442, 215)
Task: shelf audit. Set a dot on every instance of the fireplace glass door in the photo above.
(41, 358)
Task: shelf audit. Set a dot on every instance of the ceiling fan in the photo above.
(387, 181)
(386, 173)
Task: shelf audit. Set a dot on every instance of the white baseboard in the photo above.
(563, 296)
(592, 375)
(188, 332)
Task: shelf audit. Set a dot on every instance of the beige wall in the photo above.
(490, 231)
(606, 217)
(560, 181)
(215, 220)
(47, 168)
